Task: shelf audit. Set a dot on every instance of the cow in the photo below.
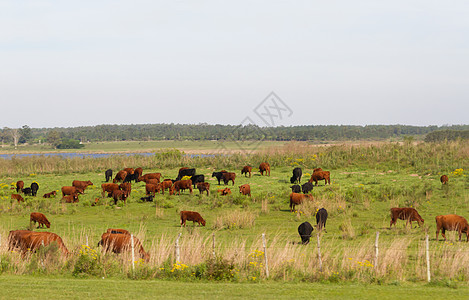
(181, 185)
(152, 181)
(246, 170)
(305, 229)
(27, 191)
(321, 218)
(40, 219)
(148, 176)
(152, 189)
(119, 195)
(295, 188)
(405, 213)
(19, 185)
(108, 174)
(128, 170)
(108, 188)
(134, 176)
(321, 175)
(197, 178)
(444, 179)
(264, 167)
(229, 176)
(117, 230)
(119, 243)
(203, 187)
(17, 197)
(185, 172)
(224, 192)
(126, 186)
(166, 184)
(70, 190)
(139, 172)
(14, 238)
(450, 223)
(81, 184)
(191, 216)
(33, 240)
(120, 176)
(307, 187)
(218, 175)
(70, 198)
(49, 195)
(296, 178)
(245, 189)
(147, 198)
(297, 199)
(34, 188)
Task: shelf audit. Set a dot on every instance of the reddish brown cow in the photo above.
(203, 187)
(126, 186)
(40, 219)
(129, 171)
(246, 170)
(114, 230)
(228, 176)
(297, 199)
(321, 175)
(152, 181)
(70, 198)
(14, 238)
(119, 195)
(17, 197)
(191, 216)
(81, 184)
(264, 167)
(119, 243)
(245, 189)
(452, 223)
(181, 185)
(49, 195)
(224, 192)
(120, 176)
(149, 176)
(405, 213)
(71, 190)
(109, 187)
(152, 189)
(33, 240)
(138, 171)
(166, 184)
(19, 185)
(444, 179)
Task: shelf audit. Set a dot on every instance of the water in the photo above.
(89, 155)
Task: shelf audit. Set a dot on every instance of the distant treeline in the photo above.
(449, 135)
(232, 132)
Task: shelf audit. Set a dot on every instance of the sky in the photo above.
(79, 63)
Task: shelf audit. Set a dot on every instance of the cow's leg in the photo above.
(443, 233)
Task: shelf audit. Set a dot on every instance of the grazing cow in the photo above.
(264, 167)
(117, 230)
(147, 198)
(152, 189)
(218, 175)
(27, 191)
(40, 219)
(14, 238)
(452, 223)
(17, 197)
(307, 187)
(444, 179)
(305, 229)
(120, 176)
(405, 213)
(166, 184)
(109, 187)
(181, 185)
(34, 188)
(321, 175)
(148, 176)
(185, 172)
(246, 170)
(224, 192)
(108, 174)
(183, 168)
(49, 195)
(81, 184)
(203, 187)
(71, 190)
(297, 199)
(197, 178)
(321, 218)
(126, 186)
(297, 173)
(245, 189)
(295, 188)
(70, 198)
(130, 177)
(191, 216)
(19, 185)
(229, 176)
(33, 240)
(119, 195)
(119, 243)
(139, 172)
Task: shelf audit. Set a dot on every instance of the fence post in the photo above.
(375, 263)
(176, 250)
(213, 245)
(428, 258)
(133, 251)
(87, 241)
(265, 256)
(319, 253)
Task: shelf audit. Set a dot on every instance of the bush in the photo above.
(70, 144)
(87, 263)
(216, 269)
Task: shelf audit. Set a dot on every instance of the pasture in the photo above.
(366, 181)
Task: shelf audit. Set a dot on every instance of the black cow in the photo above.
(27, 191)
(305, 229)
(34, 188)
(296, 178)
(147, 198)
(295, 188)
(307, 187)
(108, 174)
(321, 218)
(130, 177)
(197, 178)
(185, 172)
(218, 175)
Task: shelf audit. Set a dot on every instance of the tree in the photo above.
(53, 138)
(14, 134)
(25, 134)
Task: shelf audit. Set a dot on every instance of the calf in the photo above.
(181, 185)
(19, 185)
(27, 191)
(166, 184)
(296, 178)
(229, 176)
(49, 195)
(40, 219)
(203, 187)
(108, 188)
(297, 199)
(305, 229)
(452, 223)
(34, 188)
(152, 189)
(224, 192)
(119, 243)
(218, 175)
(197, 178)
(147, 198)
(444, 179)
(119, 195)
(246, 170)
(17, 197)
(321, 218)
(405, 213)
(70, 198)
(108, 174)
(191, 216)
(295, 188)
(307, 187)
(245, 189)
(264, 167)
(126, 186)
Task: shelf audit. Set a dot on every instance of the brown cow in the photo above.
(203, 187)
(17, 197)
(19, 185)
(152, 181)
(70, 198)
(126, 186)
(49, 195)
(224, 192)
(119, 243)
(246, 170)
(149, 176)
(138, 171)
(166, 184)
(405, 213)
(109, 187)
(245, 189)
(228, 176)
(321, 175)
(152, 189)
(120, 176)
(444, 179)
(129, 171)
(40, 219)
(450, 223)
(14, 238)
(71, 190)
(191, 216)
(81, 184)
(181, 185)
(114, 230)
(119, 195)
(33, 240)
(264, 167)
(297, 199)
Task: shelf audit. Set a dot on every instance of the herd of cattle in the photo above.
(119, 240)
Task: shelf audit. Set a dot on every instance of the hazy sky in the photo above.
(74, 63)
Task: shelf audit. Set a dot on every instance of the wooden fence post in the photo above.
(178, 258)
(265, 256)
(375, 263)
(133, 251)
(319, 253)
(213, 245)
(428, 258)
